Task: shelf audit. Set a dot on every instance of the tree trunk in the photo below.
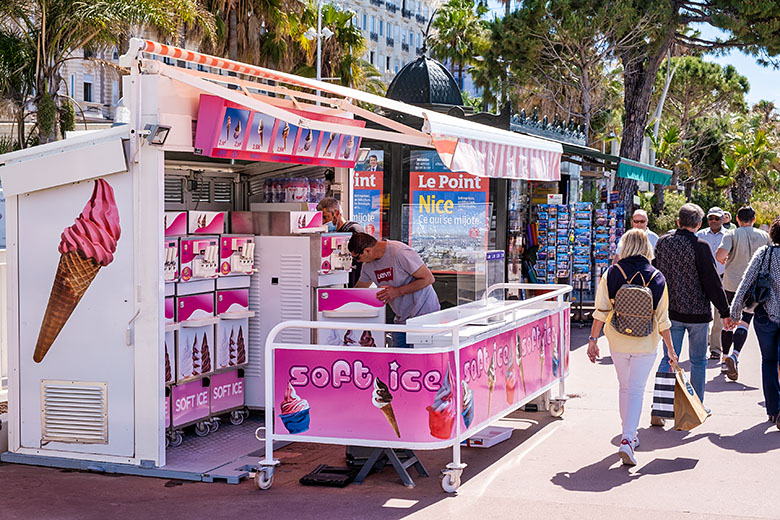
(460, 76)
(660, 199)
(20, 137)
(233, 35)
(587, 104)
(742, 191)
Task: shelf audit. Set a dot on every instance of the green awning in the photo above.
(585, 151)
(643, 172)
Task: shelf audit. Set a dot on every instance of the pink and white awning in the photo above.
(464, 146)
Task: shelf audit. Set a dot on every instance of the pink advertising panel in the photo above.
(228, 130)
(412, 397)
(232, 300)
(175, 223)
(195, 306)
(345, 299)
(170, 315)
(227, 391)
(206, 222)
(190, 402)
(389, 394)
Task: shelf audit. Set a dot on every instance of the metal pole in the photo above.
(319, 40)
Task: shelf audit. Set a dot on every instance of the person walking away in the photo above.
(767, 317)
(638, 221)
(735, 253)
(727, 221)
(687, 264)
(713, 235)
(406, 282)
(633, 356)
(334, 219)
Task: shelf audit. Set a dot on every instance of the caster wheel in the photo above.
(214, 425)
(450, 482)
(167, 441)
(202, 429)
(176, 439)
(264, 478)
(236, 417)
(557, 409)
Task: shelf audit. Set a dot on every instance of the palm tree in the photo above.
(51, 30)
(16, 80)
(461, 34)
(748, 159)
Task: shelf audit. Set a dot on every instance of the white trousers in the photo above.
(633, 371)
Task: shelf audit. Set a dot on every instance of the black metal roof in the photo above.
(425, 81)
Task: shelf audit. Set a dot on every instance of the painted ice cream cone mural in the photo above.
(511, 381)
(205, 356)
(237, 132)
(491, 376)
(381, 397)
(85, 247)
(294, 411)
(260, 131)
(441, 414)
(285, 134)
(348, 148)
(227, 128)
(519, 348)
(348, 340)
(467, 396)
(240, 347)
(231, 350)
(195, 357)
(307, 142)
(367, 339)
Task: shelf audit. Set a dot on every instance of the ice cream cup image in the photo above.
(348, 148)
(467, 397)
(491, 379)
(85, 247)
(511, 382)
(519, 348)
(442, 413)
(381, 398)
(294, 411)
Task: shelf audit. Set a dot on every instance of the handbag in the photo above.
(758, 292)
(689, 412)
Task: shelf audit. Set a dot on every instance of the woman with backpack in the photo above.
(632, 307)
(760, 286)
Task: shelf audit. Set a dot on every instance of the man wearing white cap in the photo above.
(713, 235)
(639, 220)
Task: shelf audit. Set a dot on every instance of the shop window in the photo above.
(88, 92)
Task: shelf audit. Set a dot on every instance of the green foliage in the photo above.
(667, 219)
(460, 35)
(474, 102)
(67, 117)
(707, 198)
(47, 113)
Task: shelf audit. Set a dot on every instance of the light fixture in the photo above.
(310, 33)
(327, 33)
(156, 134)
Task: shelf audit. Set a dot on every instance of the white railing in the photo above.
(3, 329)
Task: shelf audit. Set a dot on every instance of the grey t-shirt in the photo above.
(741, 244)
(395, 269)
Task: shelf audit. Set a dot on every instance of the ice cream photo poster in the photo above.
(85, 247)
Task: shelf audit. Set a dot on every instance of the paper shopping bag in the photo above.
(688, 410)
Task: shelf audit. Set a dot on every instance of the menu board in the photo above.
(231, 131)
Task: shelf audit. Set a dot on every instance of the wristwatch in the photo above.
(591, 338)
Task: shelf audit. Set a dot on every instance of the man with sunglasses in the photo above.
(406, 282)
(638, 221)
(713, 235)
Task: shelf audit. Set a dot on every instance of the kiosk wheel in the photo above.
(214, 425)
(176, 438)
(264, 478)
(237, 417)
(202, 429)
(450, 481)
(557, 408)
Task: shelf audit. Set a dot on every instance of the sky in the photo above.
(764, 81)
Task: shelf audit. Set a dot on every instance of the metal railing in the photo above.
(420, 18)
(390, 42)
(374, 37)
(405, 47)
(3, 330)
(406, 13)
(392, 8)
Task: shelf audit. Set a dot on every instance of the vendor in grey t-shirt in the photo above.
(406, 282)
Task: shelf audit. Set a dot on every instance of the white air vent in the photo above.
(223, 191)
(73, 412)
(174, 190)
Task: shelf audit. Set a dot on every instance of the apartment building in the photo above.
(394, 30)
(92, 82)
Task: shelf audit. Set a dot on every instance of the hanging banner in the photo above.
(230, 131)
(367, 184)
(449, 212)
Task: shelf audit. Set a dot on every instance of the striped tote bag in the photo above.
(663, 395)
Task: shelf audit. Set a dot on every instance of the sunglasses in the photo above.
(639, 221)
(713, 217)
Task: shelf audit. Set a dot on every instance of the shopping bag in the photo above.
(688, 410)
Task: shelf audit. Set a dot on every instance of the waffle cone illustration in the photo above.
(382, 398)
(240, 347)
(85, 247)
(330, 140)
(285, 134)
(519, 348)
(390, 416)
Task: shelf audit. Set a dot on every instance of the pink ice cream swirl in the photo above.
(96, 230)
(443, 401)
(292, 403)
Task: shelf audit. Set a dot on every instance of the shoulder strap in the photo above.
(623, 272)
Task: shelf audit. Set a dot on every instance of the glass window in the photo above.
(387, 65)
(365, 23)
(381, 27)
(373, 24)
(372, 58)
(87, 92)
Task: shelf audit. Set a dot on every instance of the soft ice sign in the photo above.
(227, 391)
(190, 402)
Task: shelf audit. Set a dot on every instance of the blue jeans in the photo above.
(768, 333)
(697, 350)
(398, 340)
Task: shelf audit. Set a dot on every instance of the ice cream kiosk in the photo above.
(138, 304)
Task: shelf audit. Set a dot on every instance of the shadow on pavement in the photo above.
(761, 438)
(609, 473)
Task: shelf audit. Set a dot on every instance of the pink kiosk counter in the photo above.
(470, 366)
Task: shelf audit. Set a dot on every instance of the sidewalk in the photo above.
(553, 468)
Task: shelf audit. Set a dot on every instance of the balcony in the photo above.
(374, 37)
(378, 3)
(406, 13)
(405, 47)
(418, 51)
(420, 18)
(392, 8)
(390, 42)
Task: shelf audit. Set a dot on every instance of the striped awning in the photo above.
(464, 146)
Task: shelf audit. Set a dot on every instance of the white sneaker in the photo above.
(635, 442)
(626, 452)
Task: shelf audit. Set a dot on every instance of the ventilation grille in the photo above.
(256, 186)
(174, 190)
(74, 412)
(223, 191)
(202, 191)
